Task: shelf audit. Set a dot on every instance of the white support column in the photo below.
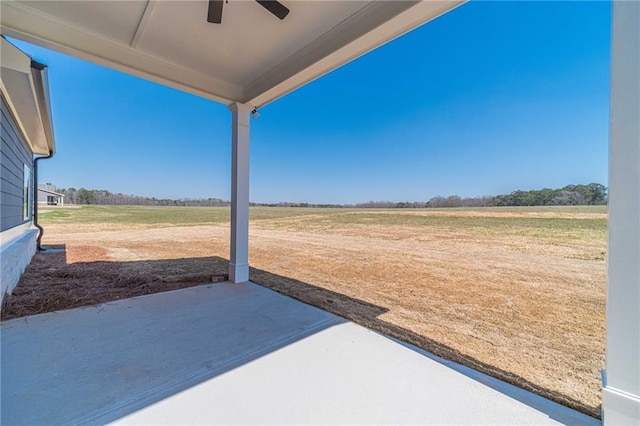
(621, 394)
(239, 259)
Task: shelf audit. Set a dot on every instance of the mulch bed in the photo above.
(51, 284)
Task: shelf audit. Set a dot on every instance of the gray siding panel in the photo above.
(14, 154)
(17, 198)
(11, 155)
(9, 170)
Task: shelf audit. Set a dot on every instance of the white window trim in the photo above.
(27, 193)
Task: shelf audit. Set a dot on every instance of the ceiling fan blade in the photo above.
(215, 11)
(274, 7)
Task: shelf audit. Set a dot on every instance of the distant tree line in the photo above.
(457, 201)
(570, 195)
(289, 204)
(104, 197)
(390, 205)
(574, 195)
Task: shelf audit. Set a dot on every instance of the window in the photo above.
(26, 199)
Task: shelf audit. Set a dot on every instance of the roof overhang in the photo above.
(251, 58)
(24, 86)
(50, 192)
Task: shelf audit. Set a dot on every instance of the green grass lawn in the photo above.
(139, 215)
(557, 223)
(202, 215)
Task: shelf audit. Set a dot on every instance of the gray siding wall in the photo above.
(14, 154)
(42, 197)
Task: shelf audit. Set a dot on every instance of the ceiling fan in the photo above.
(215, 9)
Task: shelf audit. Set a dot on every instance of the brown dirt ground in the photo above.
(520, 310)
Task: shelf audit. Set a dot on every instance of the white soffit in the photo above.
(252, 57)
(25, 90)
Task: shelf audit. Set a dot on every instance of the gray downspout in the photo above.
(35, 199)
(39, 71)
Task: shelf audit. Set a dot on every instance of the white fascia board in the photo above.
(264, 90)
(25, 23)
(40, 78)
(50, 192)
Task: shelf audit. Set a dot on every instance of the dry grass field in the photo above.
(518, 293)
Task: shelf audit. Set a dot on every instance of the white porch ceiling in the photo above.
(252, 57)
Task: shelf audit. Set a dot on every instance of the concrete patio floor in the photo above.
(242, 354)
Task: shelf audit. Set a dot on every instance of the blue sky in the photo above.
(490, 98)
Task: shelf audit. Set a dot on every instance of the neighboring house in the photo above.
(26, 131)
(48, 196)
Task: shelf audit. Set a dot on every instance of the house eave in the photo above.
(57, 194)
(24, 85)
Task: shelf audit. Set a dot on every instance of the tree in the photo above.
(568, 198)
(599, 194)
(85, 196)
(70, 195)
